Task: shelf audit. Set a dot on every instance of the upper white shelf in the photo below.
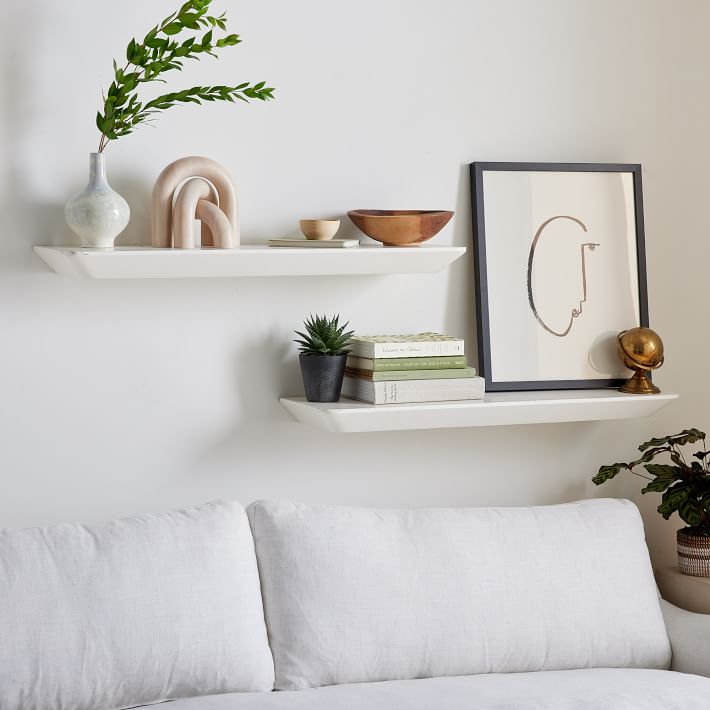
(149, 263)
(496, 409)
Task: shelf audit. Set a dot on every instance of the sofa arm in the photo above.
(689, 634)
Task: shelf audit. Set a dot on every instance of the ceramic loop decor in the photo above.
(398, 228)
(193, 193)
(200, 188)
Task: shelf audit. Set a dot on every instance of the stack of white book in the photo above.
(398, 369)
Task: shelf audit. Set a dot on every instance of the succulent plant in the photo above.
(323, 336)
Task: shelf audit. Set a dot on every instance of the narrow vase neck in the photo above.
(97, 169)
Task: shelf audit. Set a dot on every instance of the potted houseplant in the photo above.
(323, 353)
(98, 214)
(685, 487)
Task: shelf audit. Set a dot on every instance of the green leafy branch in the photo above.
(324, 336)
(160, 52)
(685, 486)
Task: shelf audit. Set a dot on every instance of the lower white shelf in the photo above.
(496, 409)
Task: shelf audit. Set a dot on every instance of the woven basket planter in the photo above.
(694, 554)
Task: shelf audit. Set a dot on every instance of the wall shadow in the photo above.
(461, 291)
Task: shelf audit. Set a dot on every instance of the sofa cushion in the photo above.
(112, 615)
(355, 595)
(594, 689)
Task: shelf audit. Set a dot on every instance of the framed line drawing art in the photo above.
(560, 269)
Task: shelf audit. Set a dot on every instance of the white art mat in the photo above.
(559, 243)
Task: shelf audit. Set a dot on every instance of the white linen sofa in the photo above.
(215, 608)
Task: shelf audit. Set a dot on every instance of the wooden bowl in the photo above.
(319, 229)
(400, 228)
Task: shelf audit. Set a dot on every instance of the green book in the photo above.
(398, 375)
(406, 363)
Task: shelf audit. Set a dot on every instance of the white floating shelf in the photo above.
(497, 409)
(149, 263)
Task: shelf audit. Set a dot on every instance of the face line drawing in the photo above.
(576, 312)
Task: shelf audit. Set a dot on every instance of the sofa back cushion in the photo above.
(132, 611)
(354, 595)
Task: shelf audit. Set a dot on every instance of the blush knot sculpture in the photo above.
(194, 188)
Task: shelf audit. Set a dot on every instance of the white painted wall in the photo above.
(119, 398)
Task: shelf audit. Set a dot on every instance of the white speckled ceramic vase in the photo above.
(97, 214)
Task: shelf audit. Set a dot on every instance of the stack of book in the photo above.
(396, 369)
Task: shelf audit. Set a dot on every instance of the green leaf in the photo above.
(660, 469)
(676, 496)
(130, 50)
(190, 20)
(172, 29)
(606, 473)
(665, 510)
(665, 476)
(228, 41)
(687, 436)
(691, 512)
(157, 42)
(657, 486)
(168, 19)
(648, 455)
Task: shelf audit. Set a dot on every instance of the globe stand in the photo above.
(640, 383)
(641, 350)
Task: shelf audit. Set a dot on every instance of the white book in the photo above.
(410, 391)
(315, 243)
(420, 345)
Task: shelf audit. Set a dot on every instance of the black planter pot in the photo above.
(322, 376)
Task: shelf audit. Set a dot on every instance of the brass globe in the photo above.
(641, 350)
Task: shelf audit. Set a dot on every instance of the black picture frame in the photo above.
(481, 275)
